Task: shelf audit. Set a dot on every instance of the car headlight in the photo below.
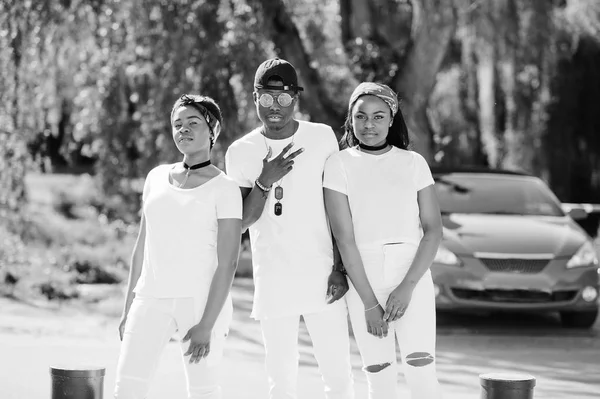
(585, 256)
(446, 257)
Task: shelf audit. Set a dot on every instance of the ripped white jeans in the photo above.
(386, 266)
(151, 322)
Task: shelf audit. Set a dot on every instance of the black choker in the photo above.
(373, 147)
(197, 166)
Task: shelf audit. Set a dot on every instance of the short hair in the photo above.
(207, 106)
(202, 104)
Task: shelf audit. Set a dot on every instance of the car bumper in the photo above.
(473, 287)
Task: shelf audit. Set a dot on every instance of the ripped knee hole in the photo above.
(419, 359)
(376, 368)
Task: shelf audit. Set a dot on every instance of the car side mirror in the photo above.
(577, 214)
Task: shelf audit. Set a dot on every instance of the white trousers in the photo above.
(415, 331)
(329, 334)
(151, 322)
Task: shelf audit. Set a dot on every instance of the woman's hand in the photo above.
(397, 303)
(199, 337)
(376, 325)
(122, 326)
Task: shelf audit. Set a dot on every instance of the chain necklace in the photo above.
(189, 168)
(278, 207)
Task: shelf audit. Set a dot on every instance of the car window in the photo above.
(495, 194)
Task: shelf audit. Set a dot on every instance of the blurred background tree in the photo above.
(87, 85)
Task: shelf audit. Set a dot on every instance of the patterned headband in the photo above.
(197, 102)
(376, 89)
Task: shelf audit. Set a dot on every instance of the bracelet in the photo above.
(263, 188)
(366, 310)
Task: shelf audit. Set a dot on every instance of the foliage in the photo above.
(50, 253)
(89, 84)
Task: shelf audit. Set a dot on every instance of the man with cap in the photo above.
(279, 168)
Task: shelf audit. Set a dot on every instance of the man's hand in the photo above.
(277, 167)
(337, 286)
(199, 338)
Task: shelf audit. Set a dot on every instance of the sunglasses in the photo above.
(284, 99)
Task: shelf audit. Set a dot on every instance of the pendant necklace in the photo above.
(278, 207)
(189, 168)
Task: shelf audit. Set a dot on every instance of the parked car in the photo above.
(508, 245)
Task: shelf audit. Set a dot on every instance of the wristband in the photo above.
(263, 188)
(366, 310)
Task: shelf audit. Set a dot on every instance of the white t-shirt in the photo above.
(292, 253)
(180, 253)
(382, 193)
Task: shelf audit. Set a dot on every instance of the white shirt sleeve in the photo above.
(422, 173)
(334, 177)
(234, 165)
(332, 143)
(147, 185)
(229, 201)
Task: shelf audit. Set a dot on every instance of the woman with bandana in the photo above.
(386, 220)
(184, 260)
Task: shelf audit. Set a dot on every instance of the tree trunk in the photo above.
(13, 152)
(283, 32)
(469, 99)
(417, 33)
(487, 115)
(386, 22)
(507, 39)
(15, 49)
(435, 24)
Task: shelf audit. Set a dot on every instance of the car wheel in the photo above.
(579, 319)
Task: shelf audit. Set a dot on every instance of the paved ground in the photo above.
(565, 362)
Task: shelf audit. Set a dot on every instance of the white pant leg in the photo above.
(416, 333)
(280, 337)
(203, 377)
(328, 330)
(378, 354)
(149, 326)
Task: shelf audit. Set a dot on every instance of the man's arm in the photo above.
(337, 284)
(338, 265)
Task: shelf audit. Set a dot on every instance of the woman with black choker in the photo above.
(184, 260)
(386, 221)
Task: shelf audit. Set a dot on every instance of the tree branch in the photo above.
(285, 35)
(434, 24)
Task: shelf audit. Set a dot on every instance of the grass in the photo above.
(60, 241)
(61, 246)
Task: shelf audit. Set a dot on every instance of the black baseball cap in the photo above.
(278, 69)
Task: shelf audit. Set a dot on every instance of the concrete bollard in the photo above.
(506, 386)
(77, 383)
